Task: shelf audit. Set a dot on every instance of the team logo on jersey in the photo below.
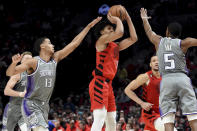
(47, 73)
(168, 47)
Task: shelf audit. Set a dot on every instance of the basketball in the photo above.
(118, 11)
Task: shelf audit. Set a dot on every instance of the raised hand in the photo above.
(146, 106)
(127, 16)
(16, 58)
(112, 19)
(95, 21)
(143, 14)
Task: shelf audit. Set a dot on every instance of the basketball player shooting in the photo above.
(107, 57)
(41, 77)
(175, 85)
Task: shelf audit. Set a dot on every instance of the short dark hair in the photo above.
(100, 26)
(37, 44)
(83, 122)
(175, 29)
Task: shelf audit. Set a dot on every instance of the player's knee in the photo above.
(192, 117)
(159, 125)
(169, 118)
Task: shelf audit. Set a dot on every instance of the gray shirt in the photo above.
(40, 84)
(171, 57)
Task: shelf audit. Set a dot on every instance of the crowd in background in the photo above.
(23, 21)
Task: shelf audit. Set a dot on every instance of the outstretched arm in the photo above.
(124, 44)
(154, 38)
(8, 91)
(187, 43)
(59, 55)
(129, 90)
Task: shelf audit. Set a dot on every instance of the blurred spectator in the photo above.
(123, 123)
(128, 128)
(118, 126)
(89, 121)
(71, 126)
(58, 127)
(69, 104)
(51, 125)
(83, 126)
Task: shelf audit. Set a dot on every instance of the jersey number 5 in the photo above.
(48, 82)
(170, 61)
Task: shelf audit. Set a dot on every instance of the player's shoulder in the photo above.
(143, 76)
(186, 40)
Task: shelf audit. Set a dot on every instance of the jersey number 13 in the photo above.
(48, 82)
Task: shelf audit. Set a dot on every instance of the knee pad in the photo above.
(24, 127)
(169, 118)
(159, 125)
(192, 117)
(40, 128)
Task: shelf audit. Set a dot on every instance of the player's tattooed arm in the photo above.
(152, 36)
(29, 65)
(8, 91)
(129, 91)
(124, 44)
(59, 55)
(187, 43)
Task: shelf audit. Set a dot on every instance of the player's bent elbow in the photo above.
(8, 74)
(135, 38)
(126, 90)
(5, 92)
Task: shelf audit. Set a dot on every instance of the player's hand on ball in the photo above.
(143, 14)
(94, 22)
(17, 58)
(146, 106)
(112, 19)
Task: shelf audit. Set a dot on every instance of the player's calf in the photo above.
(168, 122)
(192, 121)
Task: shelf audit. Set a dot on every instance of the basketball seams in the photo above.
(118, 11)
